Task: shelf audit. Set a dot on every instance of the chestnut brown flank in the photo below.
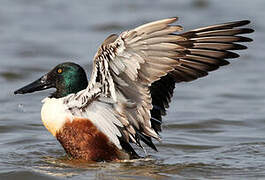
(81, 139)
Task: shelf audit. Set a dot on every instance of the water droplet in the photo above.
(21, 107)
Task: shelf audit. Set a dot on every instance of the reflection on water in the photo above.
(214, 127)
(58, 167)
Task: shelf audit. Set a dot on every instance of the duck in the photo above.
(131, 86)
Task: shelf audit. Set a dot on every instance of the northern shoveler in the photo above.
(132, 82)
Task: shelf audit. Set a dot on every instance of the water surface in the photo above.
(214, 129)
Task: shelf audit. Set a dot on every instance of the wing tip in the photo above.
(244, 39)
(231, 55)
(246, 31)
(244, 22)
(237, 23)
(176, 18)
(172, 19)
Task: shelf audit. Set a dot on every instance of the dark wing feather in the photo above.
(205, 50)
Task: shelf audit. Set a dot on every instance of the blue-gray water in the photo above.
(214, 129)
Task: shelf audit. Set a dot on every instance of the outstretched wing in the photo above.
(201, 56)
(136, 71)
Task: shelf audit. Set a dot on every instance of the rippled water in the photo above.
(215, 127)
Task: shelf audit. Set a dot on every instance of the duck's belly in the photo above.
(82, 140)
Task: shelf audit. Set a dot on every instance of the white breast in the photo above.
(54, 114)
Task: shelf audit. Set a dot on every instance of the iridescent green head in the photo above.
(67, 78)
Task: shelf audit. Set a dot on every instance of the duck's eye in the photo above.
(59, 71)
